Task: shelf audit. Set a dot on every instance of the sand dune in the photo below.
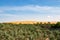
(30, 22)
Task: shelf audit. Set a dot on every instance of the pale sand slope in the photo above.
(30, 22)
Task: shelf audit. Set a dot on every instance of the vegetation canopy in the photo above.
(36, 31)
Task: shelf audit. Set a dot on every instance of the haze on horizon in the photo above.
(35, 10)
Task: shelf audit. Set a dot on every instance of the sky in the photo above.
(33, 10)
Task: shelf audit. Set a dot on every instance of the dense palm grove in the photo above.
(37, 31)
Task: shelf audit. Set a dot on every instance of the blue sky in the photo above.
(35, 10)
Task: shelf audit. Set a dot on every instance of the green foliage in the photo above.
(37, 31)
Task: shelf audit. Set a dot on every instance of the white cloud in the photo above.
(48, 16)
(1, 11)
(41, 13)
(42, 9)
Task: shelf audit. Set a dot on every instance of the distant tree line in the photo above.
(49, 25)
